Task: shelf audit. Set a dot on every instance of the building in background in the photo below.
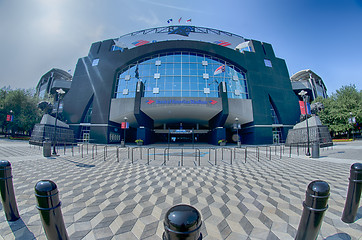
(310, 82)
(51, 81)
(181, 84)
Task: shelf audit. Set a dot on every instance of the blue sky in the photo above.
(322, 35)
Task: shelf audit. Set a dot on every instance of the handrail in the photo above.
(197, 150)
(117, 153)
(148, 155)
(93, 151)
(164, 155)
(105, 153)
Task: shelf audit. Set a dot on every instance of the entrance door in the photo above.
(86, 136)
(276, 135)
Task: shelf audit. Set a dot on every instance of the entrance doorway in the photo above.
(181, 136)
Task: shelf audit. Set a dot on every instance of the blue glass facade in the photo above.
(181, 74)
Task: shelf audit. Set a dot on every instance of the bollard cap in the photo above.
(4, 164)
(45, 188)
(318, 188)
(356, 171)
(317, 195)
(182, 219)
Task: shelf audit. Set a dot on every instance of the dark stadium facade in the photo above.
(181, 84)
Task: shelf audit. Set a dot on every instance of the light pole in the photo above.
(125, 128)
(237, 131)
(352, 121)
(10, 120)
(305, 96)
(59, 92)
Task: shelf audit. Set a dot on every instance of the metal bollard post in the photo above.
(182, 222)
(353, 194)
(182, 157)
(7, 192)
(117, 152)
(46, 193)
(314, 207)
(246, 154)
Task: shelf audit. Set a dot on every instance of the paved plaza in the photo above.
(103, 196)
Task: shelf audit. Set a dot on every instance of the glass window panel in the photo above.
(185, 69)
(177, 70)
(176, 93)
(193, 59)
(200, 70)
(185, 86)
(177, 59)
(185, 58)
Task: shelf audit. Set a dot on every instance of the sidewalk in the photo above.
(119, 200)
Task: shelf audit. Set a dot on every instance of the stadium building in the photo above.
(181, 84)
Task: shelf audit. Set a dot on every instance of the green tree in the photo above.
(23, 105)
(340, 107)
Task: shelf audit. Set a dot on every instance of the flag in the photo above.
(219, 70)
(169, 21)
(188, 20)
(179, 20)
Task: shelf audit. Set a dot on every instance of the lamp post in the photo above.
(305, 97)
(352, 121)
(125, 128)
(59, 93)
(10, 120)
(237, 130)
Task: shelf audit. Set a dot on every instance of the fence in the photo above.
(184, 156)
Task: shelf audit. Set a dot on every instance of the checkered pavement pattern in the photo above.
(103, 198)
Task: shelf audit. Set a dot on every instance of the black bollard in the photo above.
(353, 194)
(182, 222)
(46, 193)
(7, 192)
(314, 207)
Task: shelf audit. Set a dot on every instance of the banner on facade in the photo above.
(302, 108)
(125, 125)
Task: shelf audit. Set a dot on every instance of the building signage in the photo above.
(181, 131)
(174, 101)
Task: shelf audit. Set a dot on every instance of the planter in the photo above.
(223, 144)
(139, 143)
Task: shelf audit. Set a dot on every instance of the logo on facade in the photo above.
(222, 43)
(182, 30)
(140, 43)
(150, 101)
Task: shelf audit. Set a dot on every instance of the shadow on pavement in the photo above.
(20, 230)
